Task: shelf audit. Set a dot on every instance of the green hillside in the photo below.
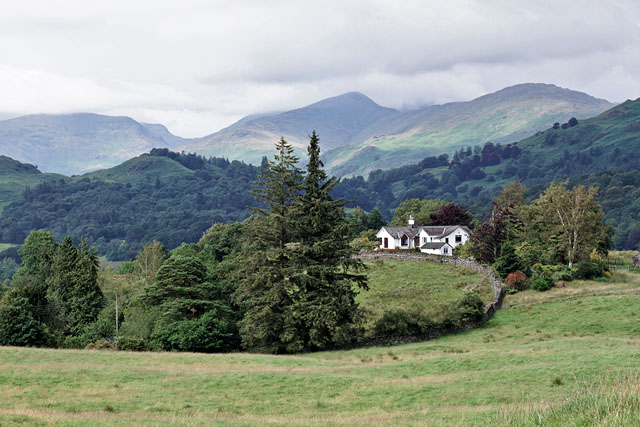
(15, 177)
(163, 196)
(568, 356)
(505, 116)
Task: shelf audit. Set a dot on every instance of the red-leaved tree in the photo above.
(451, 214)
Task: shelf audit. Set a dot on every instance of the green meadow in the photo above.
(569, 356)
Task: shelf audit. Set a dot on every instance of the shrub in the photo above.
(132, 344)
(587, 270)
(101, 344)
(564, 275)
(397, 323)
(471, 306)
(541, 283)
(508, 262)
(516, 280)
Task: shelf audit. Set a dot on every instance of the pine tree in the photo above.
(265, 290)
(324, 311)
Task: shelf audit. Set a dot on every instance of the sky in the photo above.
(198, 66)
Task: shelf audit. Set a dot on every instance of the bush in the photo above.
(587, 270)
(101, 344)
(564, 275)
(398, 323)
(516, 280)
(471, 306)
(211, 332)
(541, 283)
(132, 344)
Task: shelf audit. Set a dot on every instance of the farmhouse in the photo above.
(636, 260)
(437, 240)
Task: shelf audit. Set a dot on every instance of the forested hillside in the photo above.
(162, 196)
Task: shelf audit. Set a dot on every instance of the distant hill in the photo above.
(77, 143)
(164, 196)
(505, 116)
(15, 177)
(337, 120)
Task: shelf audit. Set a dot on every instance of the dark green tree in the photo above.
(86, 298)
(265, 290)
(62, 281)
(190, 318)
(18, 326)
(37, 252)
(325, 273)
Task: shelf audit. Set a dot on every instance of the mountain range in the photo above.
(357, 135)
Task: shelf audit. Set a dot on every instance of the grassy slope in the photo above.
(533, 352)
(417, 286)
(16, 176)
(141, 169)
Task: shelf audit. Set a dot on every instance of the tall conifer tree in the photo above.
(265, 292)
(325, 272)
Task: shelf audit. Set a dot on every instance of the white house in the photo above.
(438, 240)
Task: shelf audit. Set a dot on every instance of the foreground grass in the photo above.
(417, 286)
(531, 358)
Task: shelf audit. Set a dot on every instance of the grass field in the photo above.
(5, 246)
(417, 286)
(567, 356)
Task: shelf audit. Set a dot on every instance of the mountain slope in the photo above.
(337, 120)
(77, 143)
(504, 116)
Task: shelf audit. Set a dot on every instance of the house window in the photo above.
(446, 240)
(416, 241)
(386, 243)
(458, 238)
(446, 250)
(404, 241)
(424, 240)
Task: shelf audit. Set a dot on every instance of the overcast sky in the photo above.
(197, 66)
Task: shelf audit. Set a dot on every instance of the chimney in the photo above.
(411, 222)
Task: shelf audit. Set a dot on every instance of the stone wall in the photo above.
(490, 308)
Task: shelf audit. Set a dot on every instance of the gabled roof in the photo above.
(439, 231)
(397, 232)
(434, 245)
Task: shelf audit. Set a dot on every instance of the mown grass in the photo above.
(417, 286)
(536, 354)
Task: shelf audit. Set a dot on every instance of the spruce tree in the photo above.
(325, 273)
(265, 291)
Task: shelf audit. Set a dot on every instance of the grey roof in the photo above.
(434, 245)
(397, 232)
(439, 231)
